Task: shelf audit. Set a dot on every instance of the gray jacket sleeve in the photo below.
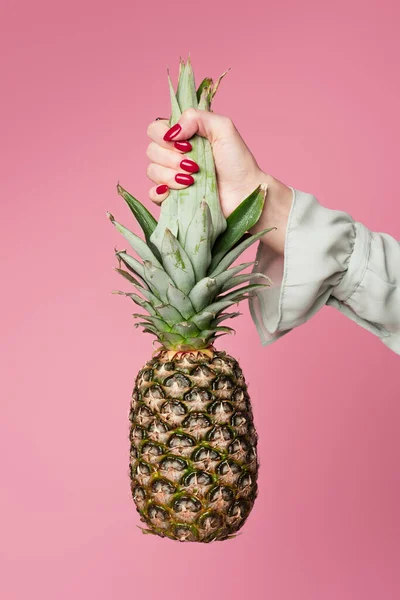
(330, 259)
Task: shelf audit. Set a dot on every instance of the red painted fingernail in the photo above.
(189, 165)
(184, 179)
(161, 189)
(171, 133)
(183, 146)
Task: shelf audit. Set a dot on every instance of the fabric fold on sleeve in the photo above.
(329, 260)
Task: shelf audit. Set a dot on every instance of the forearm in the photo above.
(330, 259)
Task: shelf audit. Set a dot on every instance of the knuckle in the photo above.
(149, 128)
(227, 121)
(149, 150)
(190, 113)
(150, 171)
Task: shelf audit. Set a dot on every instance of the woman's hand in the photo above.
(238, 173)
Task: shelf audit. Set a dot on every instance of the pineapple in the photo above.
(193, 456)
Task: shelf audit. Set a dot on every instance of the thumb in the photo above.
(203, 122)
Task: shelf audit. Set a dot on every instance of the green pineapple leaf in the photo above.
(186, 89)
(187, 328)
(211, 312)
(172, 338)
(157, 279)
(145, 219)
(176, 297)
(169, 313)
(242, 292)
(229, 258)
(224, 316)
(131, 263)
(127, 276)
(204, 85)
(138, 300)
(203, 292)
(177, 263)
(239, 279)
(175, 108)
(160, 324)
(243, 218)
(147, 328)
(198, 240)
(228, 275)
(140, 247)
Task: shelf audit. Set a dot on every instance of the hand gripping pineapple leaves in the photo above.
(193, 444)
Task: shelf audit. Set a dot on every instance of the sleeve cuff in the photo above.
(318, 248)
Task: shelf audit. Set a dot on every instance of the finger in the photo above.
(173, 179)
(156, 132)
(157, 193)
(203, 122)
(167, 157)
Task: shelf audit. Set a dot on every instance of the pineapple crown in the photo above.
(184, 270)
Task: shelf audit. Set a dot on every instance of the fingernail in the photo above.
(161, 189)
(183, 146)
(184, 179)
(172, 132)
(189, 165)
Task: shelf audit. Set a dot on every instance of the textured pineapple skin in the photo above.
(193, 457)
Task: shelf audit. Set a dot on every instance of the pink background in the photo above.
(314, 89)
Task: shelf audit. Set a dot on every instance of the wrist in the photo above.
(278, 203)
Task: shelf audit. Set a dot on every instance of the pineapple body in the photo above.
(193, 459)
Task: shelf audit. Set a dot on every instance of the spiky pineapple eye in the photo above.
(134, 400)
(245, 481)
(177, 381)
(157, 513)
(150, 451)
(221, 434)
(240, 422)
(202, 372)
(145, 375)
(162, 486)
(186, 360)
(198, 395)
(137, 433)
(138, 494)
(173, 464)
(228, 466)
(238, 395)
(143, 415)
(210, 521)
(196, 421)
(163, 366)
(197, 478)
(238, 509)
(180, 441)
(184, 532)
(155, 391)
(221, 408)
(187, 504)
(203, 454)
(143, 468)
(173, 411)
(219, 362)
(158, 428)
(223, 383)
(238, 447)
(221, 492)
